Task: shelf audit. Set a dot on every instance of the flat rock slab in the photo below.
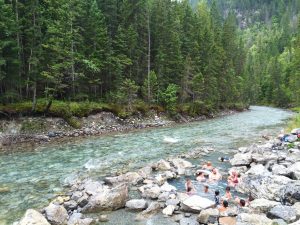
(196, 203)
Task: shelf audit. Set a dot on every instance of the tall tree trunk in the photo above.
(149, 54)
(72, 55)
(18, 45)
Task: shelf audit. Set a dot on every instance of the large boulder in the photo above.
(196, 203)
(33, 217)
(264, 157)
(188, 221)
(258, 170)
(241, 159)
(287, 213)
(136, 204)
(268, 187)
(208, 216)
(76, 219)
(294, 171)
(252, 219)
(110, 199)
(262, 205)
(56, 214)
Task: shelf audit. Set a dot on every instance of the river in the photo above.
(33, 177)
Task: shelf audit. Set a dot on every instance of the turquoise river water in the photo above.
(36, 176)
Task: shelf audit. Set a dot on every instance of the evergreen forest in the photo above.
(189, 56)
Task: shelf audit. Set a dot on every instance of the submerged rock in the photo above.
(33, 217)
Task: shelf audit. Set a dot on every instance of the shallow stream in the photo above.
(29, 179)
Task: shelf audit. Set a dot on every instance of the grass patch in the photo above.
(295, 121)
(29, 126)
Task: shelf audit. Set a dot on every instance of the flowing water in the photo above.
(29, 179)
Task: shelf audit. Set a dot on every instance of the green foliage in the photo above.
(169, 97)
(32, 126)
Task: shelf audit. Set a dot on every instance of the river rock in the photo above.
(153, 208)
(241, 159)
(287, 213)
(151, 192)
(268, 187)
(92, 187)
(294, 171)
(56, 214)
(162, 165)
(145, 171)
(196, 203)
(166, 187)
(136, 204)
(109, 199)
(188, 221)
(174, 202)
(76, 219)
(264, 157)
(70, 205)
(163, 196)
(280, 170)
(208, 216)
(83, 200)
(252, 219)
(239, 169)
(258, 170)
(262, 205)
(181, 163)
(33, 217)
(296, 206)
(278, 222)
(295, 223)
(130, 177)
(160, 179)
(76, 195)
(168, 211)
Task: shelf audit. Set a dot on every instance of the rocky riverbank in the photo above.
(270, 172)
(28, 131)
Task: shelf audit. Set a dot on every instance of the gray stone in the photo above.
(76, 195)
(153, 208)
(153, 192)
(136, 204)
(208, 216)
(109, 199)
(287, 213)
(262, 205)
(162, 165)
(33, 217)
(294, 171)
(167, 187)
(56, 214)
(188, 221)
(252, 219)
(258, 170)
(70, 205)
(241, 159)
(196, 203)
(278, 222)
(168, 211)
(174, 202)
(130, 177)
(76, 219)
(280, 170)
(296, 206)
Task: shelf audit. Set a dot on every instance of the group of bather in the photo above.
(209, 174)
